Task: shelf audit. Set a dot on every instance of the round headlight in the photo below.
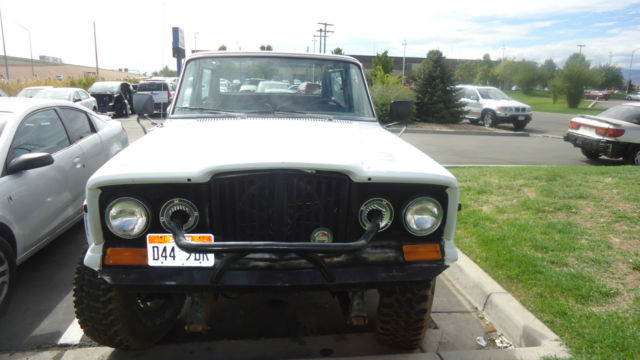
(422, 216)
(127, 217)
(380, 205)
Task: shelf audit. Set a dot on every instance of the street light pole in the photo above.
(404, 53)
(4, 47)
(95, 44)
(33, 73)
(630, 64)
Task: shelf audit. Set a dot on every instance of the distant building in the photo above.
(51, 59)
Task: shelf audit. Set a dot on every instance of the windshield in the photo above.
(493, 94)
(53, 94)
(153, 86)
(104, 87)
(246, 84)
(628, 113)
(28, 92)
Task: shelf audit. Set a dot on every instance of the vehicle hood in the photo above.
(495, 103)
(193, 150)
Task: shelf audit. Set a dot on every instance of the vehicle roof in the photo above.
(63, 89)
(16, 105)
(110, 82)
(39, 87)
(272, 54)
(476, 86)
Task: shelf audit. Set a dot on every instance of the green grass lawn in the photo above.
(565, 241)
(541, 101)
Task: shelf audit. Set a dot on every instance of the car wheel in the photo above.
(474, 121)
(489, 119)
(633, 156)
(519, 125)
(590, 154)
(122, 319)
(95, 109)
(403, 314)
(7, 274)
(628, 97)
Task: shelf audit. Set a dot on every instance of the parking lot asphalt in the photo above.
(473, 317)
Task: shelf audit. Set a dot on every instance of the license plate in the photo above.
(163, 251)
(520, 117)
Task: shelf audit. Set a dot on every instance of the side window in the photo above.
(470, 94)
(83, 95)
(40, 132)
(76, 96)
(205, 83)
(337, 87)
(76, 122)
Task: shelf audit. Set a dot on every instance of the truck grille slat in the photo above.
(283, 206)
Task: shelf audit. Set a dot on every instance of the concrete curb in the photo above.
(465, 132)
(506, 313)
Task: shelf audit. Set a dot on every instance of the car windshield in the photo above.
(153, 86)
(493, 94)
(104, 87)
(260, 84)
(628, 113)
(53, 94)
(29, 92)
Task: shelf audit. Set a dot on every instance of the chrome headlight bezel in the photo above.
(381, 204)
(412, 206)
(141, 207)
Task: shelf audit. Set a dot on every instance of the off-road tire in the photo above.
(589, 154)
(489, 119)
(403, 315)
(116, 318)
(633, 156)
(474, 121)
(7, 274)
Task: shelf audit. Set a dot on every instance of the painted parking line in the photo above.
(72, 335)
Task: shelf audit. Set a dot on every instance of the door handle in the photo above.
(77, 163)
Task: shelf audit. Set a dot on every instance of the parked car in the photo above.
(273, 87)
(597, 95)
(48, 150)
(309, 88)
(299, 193)
(3, 94)
(114, 97)
(491, 106)
(635, 96)
(76, 95)
(614, 133)
(162, 92)
(30, 92)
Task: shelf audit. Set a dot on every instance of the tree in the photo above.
(526, 76)
(505, 71)
(575, 77)
(266, 48)
(166, 72)
(436, 98)
(546, 72)
(465, 72)
(222, 47)
(337, 51)
(384, 61)
(611, 76)
(485, 75)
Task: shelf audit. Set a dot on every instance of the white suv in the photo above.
(493, 107)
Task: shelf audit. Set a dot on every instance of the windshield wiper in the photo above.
(211, 111)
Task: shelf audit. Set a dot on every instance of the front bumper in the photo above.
(511, 118)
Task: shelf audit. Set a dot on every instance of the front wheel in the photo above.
(489, 119)
(519, 125)
(474, 121)
(403, 314)
(120, 319)
(633, 156)
(7, 274)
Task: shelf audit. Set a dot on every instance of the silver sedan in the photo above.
(75, 95)
(48, 151)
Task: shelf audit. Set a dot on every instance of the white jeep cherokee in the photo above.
(254, 191)
(493, 107)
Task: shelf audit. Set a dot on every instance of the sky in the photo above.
(136, 34)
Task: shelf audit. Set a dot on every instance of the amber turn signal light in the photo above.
(126, 256)
(422, 252)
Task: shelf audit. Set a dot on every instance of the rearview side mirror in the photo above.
(401, 111)
(143, 104)
(28, 162)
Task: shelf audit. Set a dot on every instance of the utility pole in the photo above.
(314, 40)
(320, 38)
(630, 65)
(4, 47)
(95, 44)
(580, 47)
(324, 51)
(33, 73)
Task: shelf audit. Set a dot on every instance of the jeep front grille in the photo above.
(284, 206)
